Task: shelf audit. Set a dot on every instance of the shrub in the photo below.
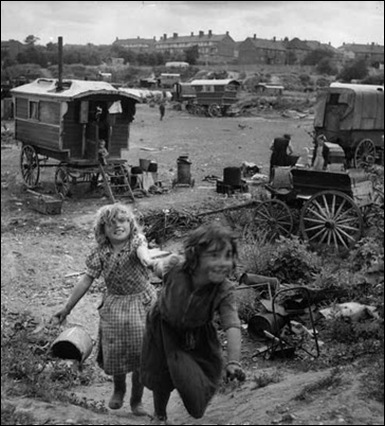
(292, 262)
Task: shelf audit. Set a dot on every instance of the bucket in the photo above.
(258, 323)
(232, 176)
(153, 167)
(144, 164)
(74, 343)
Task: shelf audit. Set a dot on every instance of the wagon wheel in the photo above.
(29, 165)
(364, 154)
(332, 218)
(274, 217)
(214, 110)
(62, 181)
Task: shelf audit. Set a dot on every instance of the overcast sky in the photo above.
(100, 22)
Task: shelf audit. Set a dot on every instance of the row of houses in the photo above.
(253, 50)
(220, 48)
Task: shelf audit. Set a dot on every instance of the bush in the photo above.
(357, 70)
(292, 262)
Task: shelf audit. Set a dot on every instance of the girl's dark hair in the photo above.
(203, 237)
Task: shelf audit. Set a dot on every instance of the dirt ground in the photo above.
(41, 255)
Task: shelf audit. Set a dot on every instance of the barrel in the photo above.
(269, 322)
(232, 176)
(73, 343)
(184, 170)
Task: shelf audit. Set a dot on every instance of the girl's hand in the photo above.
(60, 316)
(234, 370)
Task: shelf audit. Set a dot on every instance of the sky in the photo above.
(101, 22)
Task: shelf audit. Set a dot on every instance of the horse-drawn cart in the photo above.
(331, 205)
(213, 97)
(352, 116)
(64, 121)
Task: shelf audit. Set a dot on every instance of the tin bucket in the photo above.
(74, 343)
(265, 322)
(144, 164)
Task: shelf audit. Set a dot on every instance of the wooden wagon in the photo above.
(329, 208)
(331, 205)
(64, 121)
(352, 116)
(213, 97)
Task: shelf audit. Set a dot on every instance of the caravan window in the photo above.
(33, 110)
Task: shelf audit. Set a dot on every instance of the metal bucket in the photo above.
(74, 343)
(144, 164)
(265, 322)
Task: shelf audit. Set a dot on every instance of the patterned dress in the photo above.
(126, 302)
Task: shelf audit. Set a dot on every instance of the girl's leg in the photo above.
(136, 395)
(116, 400)
(160, 404)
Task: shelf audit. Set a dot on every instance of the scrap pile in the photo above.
(161, 226)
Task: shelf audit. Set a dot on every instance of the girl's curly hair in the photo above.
(107, 214)
(202, 238)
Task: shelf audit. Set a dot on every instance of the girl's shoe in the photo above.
(138, 410)
(160, 420)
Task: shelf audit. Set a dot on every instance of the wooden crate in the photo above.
(45, 203)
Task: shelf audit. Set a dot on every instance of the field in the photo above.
(42, 256)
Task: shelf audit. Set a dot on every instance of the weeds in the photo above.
(28, 368)
(333, 379)
(264, 379)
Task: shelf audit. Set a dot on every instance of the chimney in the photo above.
(274, 38)
(60, 64)
(210, 33)
(201, 33)
(164, 36)
(255, 36)
(227, 33)
(192, 34)
(175, 35)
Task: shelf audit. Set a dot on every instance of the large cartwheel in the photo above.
(273, 217)
(331, 218)
(214, 110)
(364, 154)
(29, 166)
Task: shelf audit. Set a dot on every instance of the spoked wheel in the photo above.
(273, 217)
(62, 181)
(331, 218)
(364, 154)
(29, 165)
(214, 110)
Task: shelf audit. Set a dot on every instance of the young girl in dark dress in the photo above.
(181, 349)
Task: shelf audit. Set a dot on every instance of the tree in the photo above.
(315, 56)
(31, 40)
(354, 71)
(192, 54)
(326, 66)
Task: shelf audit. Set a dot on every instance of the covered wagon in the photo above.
(352, 116)
(65, 121)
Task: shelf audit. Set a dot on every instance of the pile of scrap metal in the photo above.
(286, 317)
